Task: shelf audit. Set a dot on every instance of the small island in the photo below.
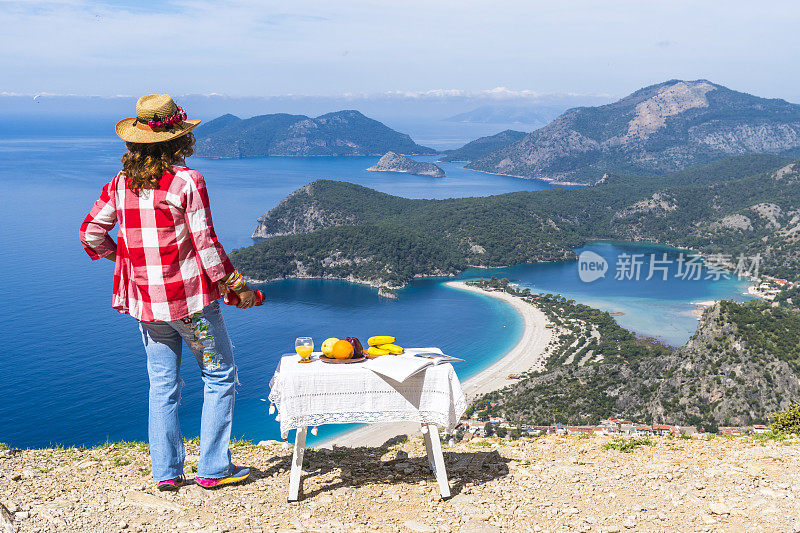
(392, 162)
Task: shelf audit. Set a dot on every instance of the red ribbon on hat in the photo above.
(165, 122)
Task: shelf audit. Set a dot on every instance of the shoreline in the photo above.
(527, 353)
(549, 181)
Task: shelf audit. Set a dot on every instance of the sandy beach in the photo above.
(700, 307)
(527, 354)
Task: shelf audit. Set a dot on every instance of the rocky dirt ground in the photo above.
(545, 484)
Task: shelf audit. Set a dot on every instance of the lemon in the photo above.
(327, 346)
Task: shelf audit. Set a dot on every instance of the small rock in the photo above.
(629, 523)
(770, 493)
(22, 515)
(478, 526)
(144, 499)
(419, 527)
(195, 492)
(401, 466)
(463, 500)
(401, 455)
(6, 520)
(571, 511)
(611, 529)
(16, 476)
(719, 508)
(122, 524)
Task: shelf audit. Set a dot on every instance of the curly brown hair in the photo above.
(145, 163)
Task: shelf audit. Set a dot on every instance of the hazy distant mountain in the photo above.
(483, 146)
(343, 133)
(658, 129)
(392, 162)
(505, 114)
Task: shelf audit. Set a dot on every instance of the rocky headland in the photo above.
(392, 162)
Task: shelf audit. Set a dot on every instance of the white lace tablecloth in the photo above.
(316, 393)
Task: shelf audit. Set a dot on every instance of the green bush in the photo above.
(787, 421)
(628, 445)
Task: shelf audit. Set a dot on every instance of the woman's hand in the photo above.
(247, 298)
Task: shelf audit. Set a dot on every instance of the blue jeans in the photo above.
(207, 337)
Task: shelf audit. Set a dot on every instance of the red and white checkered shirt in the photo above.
(169, 261)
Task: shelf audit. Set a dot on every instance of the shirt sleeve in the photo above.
(201, 228)
(100, 220)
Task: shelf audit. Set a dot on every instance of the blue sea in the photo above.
(75, 369)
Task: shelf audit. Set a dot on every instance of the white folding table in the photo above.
(317, 393)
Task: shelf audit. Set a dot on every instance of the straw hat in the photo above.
(157, 119)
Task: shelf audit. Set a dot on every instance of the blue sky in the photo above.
(250, 48)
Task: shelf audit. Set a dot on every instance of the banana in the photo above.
(376, 352)
(380, 339)
(392, 348)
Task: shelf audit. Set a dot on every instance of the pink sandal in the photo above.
(238, 474)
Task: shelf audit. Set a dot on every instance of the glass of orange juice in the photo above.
(304, 346)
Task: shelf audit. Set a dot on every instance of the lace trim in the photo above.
(408, 390)
(441, 420)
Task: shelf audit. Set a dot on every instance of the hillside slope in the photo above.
(343, 133)
(483, 146)
(662, 128)
(739, 367)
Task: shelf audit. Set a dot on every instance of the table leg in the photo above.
(297, 463)
(426, 437)
(434, 449)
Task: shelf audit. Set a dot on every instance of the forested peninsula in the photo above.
(328, 229)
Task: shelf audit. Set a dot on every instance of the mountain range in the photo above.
(658, 129)
(343, 133)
